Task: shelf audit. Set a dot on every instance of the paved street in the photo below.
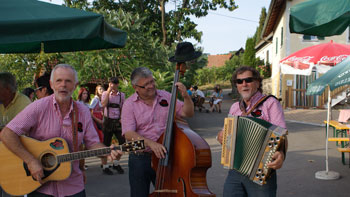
(306, 156)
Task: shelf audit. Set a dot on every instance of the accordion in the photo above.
(249, 144)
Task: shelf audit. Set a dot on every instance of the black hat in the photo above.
(185, 52)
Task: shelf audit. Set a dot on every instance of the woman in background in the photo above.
(84, 96)
(97, 116)
(216, 99)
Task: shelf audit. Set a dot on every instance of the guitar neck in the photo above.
(85, 154)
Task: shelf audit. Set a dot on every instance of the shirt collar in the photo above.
(253, 100)
(14, 99)
(55, 104)
(113, 93)
(135, 97)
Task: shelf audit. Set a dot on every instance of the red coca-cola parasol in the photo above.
(323, 56)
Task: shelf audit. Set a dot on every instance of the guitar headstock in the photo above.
(133, 146)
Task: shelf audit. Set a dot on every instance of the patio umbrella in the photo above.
(320, 17)
(322, 55)
(26, 25)
(336, 77)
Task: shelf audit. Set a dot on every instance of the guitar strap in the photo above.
(75, 119)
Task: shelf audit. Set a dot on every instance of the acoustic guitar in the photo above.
(54, 155)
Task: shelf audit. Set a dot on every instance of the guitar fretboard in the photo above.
(85, 154)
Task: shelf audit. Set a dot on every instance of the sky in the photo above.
(225, 31)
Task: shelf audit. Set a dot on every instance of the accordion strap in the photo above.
(257, 104)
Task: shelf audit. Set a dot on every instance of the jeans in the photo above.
(240, 185)
(141, 174)
(38, 194)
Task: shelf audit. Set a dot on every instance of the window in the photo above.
(312, 38)
(267, 57)
(281, 36)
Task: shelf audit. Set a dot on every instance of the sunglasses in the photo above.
(247, 80)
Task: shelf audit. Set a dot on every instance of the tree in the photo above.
(249, 53)
(258, 32)
(169, 27)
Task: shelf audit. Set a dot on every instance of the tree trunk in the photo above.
(162, 9)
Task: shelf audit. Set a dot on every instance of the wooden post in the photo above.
(290, 98)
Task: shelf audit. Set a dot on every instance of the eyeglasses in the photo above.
(39, 88)
(147, 84)
(247, 80)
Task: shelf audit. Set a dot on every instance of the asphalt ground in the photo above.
(306, 155)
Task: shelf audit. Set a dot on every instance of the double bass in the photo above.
(183, 170)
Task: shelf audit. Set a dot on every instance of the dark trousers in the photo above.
(237, 185)
(38, 194)
(110, 127)
(141, 174)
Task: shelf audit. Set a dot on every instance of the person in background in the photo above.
(11, 101)
(97, 115)
(49, 117)
(216, 99)
(29, 92)
(84, 97)
(43, 87)
(199, 98)
(112, 100)
(249, 82)
(189, 91)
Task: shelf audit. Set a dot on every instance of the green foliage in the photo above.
(265, 70)
(249, 53)
(26, 67)
(258, 32)
(178, 25)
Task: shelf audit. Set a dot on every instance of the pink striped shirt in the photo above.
(271, 110)
(42, 120)
(148, 121)
(113, 98)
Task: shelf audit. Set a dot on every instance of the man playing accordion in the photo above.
(254, 104)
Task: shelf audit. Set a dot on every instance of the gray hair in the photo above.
(65, 66)
(7, 80)
(138, 73)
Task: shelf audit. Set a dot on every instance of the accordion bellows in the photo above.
(248, 145)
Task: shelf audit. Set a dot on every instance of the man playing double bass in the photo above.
(145, 117)
(253, 103)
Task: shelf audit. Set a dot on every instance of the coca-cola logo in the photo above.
(334, 59)
(305, 59)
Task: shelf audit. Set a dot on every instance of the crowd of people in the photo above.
(143, 115)
(199, 98)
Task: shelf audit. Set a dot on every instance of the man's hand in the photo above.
(158, 149)
(181, 87)
(110, 87)
(219, 136)
(115, 154)
(277, 162)
(36, 170)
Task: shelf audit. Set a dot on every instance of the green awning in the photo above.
(320, 17)
(27, 24)
(336, 77)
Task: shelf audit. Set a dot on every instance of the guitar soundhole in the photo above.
(48, 160)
